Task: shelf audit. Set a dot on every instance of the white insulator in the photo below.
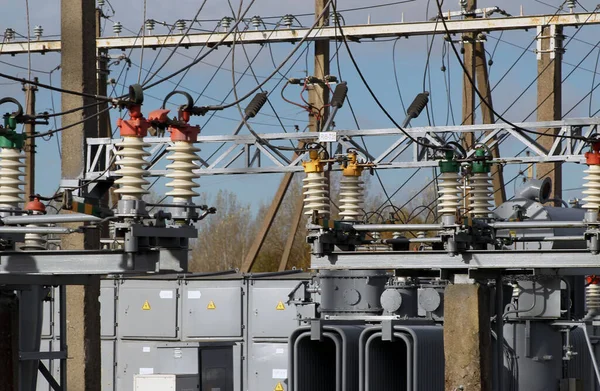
(449, 199)
(316, 194)
(131, 169)
(592, 297)
(592, 188)
(34, 241)
(351, 198)
(181, 171)
(481, 195)
(11, 194)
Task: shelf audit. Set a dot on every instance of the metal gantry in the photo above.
(247, 154)
(355, 32)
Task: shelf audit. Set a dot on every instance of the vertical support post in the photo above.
(467, 338)
(9, 341)
(104, 128)
(487, 117)
(30, 91)
(318, 97)
(468, 99)
(78, 64)
(289, 244)
(549, 92)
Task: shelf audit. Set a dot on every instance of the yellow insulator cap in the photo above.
(353, 168)
(315, 164)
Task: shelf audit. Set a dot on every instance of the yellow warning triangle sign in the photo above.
(211, 305)
(278, 387)
(146, 306)
(280, 306)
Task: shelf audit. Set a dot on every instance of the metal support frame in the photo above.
(354, 33)
(551, 262)
(239, 151)
(70, 264)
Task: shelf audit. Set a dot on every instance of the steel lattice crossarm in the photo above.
(388, 148)
(355, 32)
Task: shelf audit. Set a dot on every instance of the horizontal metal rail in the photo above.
(575, 262)
(355, 32)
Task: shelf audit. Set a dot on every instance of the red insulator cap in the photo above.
(35, 206)
(184, 133)
(136, 126)
(592, 280)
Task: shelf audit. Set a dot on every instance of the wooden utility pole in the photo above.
(487, 117)
(78, 64)
(318, 97)
(468, 99)
(549, 92)
(30, 91)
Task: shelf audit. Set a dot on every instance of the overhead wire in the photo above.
(148, 79)
(479, 94)
(371, 92)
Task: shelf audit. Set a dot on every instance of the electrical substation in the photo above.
(487, 292)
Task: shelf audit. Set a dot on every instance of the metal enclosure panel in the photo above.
(42, 384)
(269, 315)
(107, 311)
(267, 366)
(148, 309)
(133, 358)
(48, 315)
(166, 382)
(107, 351)
(212, 309)
(539, 299)
(177, 358)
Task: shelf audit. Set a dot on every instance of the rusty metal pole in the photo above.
(30, 91)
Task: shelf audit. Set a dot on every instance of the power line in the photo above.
(481, 97)
(383, 109)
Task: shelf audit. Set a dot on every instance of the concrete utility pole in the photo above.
(549, 92)
(318, 97)
(30, 91)
(78, 64)
(467, 337)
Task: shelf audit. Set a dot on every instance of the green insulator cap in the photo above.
(10, 122)
(481, 166)
(449, 164)
(12, 139)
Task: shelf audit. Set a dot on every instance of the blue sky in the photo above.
(374, 58)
